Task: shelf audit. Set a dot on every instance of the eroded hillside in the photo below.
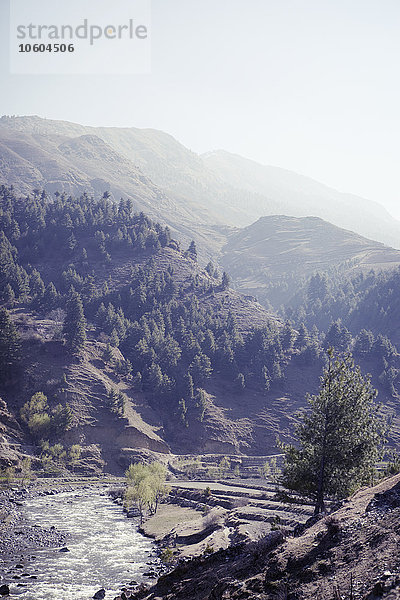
(174, 359)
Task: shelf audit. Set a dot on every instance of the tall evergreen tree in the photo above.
(192, 251)
(302, 337)
(9, 347)
(9, 296)
(339, 439)
(225, 281)
(338, 336)
(75, 323)
(50, 297)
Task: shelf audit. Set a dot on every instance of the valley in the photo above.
(160, 306)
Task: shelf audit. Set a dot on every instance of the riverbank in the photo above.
(350, 553)
(198, 519)
(17, 535)
(69, 542)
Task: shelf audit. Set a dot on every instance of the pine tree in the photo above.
(210, 269)
(288, 336)
(9, 346)
(339, 439)
(114, 339)
(338, 337)
(108, 355)
(36, 284)
(186, 386)
(200, 368)
(302, 337)
(9, 296)
(155, 377)
(75, 323)
(192, 251)
(225, 281)
(50, 297)
(364, 342)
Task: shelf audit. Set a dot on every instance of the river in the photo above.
(105, 548)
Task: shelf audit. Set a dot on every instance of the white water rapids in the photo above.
(105, 549)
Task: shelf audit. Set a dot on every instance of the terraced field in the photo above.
(211, 514)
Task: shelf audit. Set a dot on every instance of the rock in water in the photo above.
(4, 590)
(100, 594)
(65, 549)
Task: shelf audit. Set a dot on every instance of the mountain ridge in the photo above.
(219, 189)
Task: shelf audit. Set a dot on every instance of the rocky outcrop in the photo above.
(10, 437)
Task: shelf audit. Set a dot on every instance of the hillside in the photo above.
(155, 386)
(301, 196)
(206, 194)
(174, 359)
(175, 169)
(270, 257)
(352, 553)
(57, 162)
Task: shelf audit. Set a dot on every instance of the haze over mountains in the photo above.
(301, 196)
(199, 196)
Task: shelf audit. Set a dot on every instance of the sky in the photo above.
(308, 85)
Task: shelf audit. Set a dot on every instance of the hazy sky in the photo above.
(309, 85)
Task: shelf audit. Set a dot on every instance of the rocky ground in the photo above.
(224, 541)
(20, 539)
(206, 516)
(199, 517)
(352, 554)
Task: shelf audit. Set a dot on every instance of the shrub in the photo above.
(167, 556)
(333, 527)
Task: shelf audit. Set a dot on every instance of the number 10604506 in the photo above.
(46, 48)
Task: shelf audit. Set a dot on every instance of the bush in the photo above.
(167, 556)
(211, 520)
(41, 420)
(333, 528)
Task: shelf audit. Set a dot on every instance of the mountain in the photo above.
(35, 157)
(301, 196)
(164, 336)
(201, 196)
(174, 360)
(179, 172)
(269, 258)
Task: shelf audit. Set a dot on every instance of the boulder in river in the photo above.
(100, 594)
(65, 549)
(4, 590)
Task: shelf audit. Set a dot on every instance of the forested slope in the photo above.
(136, 346)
